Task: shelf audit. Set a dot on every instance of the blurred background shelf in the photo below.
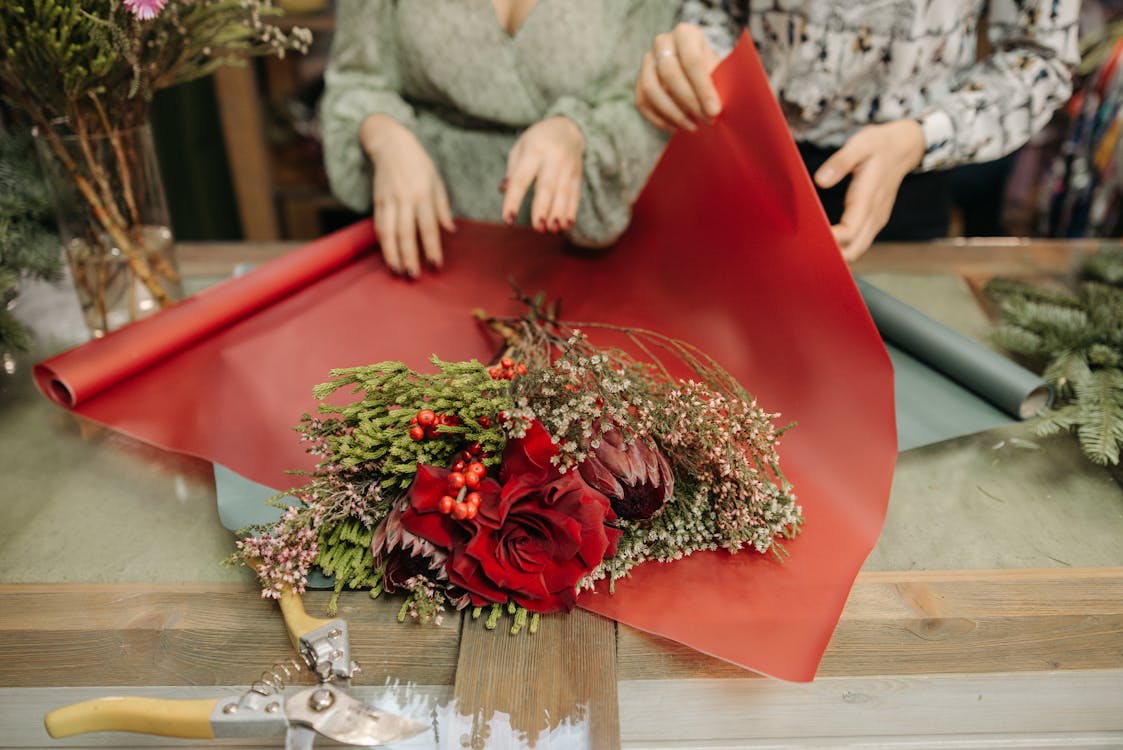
(267, 115)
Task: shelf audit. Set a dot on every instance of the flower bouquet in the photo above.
(515, 486)
(85, 73)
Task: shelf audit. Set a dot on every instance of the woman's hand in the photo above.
(674, 88)
(409, 196)
(549, 155)
(878, 157)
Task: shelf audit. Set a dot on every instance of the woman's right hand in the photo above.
(674, 89)
(410, 200)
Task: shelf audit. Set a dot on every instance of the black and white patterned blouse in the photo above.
(836, 65)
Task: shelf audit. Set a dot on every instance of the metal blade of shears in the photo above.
(300, 738)
(338, 716)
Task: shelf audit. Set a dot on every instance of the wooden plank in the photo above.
(983, 257)
(561, 680)
(894, 623)
(1022, 259)
(210, 259)
(874, 712)
(985, 741)
(243, 128)
(932, 622)
(195, 634)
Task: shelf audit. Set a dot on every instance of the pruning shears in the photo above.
(266, 709)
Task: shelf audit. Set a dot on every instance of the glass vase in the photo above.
(113, 221)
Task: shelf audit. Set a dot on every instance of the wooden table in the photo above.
(990, 615)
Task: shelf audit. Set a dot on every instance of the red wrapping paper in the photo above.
(729, 250)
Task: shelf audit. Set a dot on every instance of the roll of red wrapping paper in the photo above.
(82, 373)
(729, 250)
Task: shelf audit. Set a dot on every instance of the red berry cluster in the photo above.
(462, 500)
(427, 424)
(506, 369)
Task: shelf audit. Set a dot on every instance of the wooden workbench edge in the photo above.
(895, 622)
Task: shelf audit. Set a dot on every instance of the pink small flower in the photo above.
(145, 10)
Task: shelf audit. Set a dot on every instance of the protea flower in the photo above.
(635, 476)
(407, 556)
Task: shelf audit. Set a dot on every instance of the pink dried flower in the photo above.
(145, 10)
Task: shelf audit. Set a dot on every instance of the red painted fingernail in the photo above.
(555, 225)
(503, 185)
(569, 223)
(540, 225)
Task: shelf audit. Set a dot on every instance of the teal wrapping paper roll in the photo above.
(1000, 381)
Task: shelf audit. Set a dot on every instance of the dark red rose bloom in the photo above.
(533, 538)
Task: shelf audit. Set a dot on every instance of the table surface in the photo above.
(991, 609)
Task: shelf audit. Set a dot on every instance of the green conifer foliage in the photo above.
(1076, 340)
(28, 245)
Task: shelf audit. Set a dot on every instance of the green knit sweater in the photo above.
(450, 72)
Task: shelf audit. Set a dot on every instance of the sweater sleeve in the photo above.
(621, 147)
(362, 78)
(994, 106)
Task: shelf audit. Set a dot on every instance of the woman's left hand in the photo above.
(878, 157)
(548, 155)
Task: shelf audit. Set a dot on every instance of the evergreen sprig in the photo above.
(1076, 340)
(371, 434)
(28, 245)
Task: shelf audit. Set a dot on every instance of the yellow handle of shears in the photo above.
(189, 719)
(297, 621)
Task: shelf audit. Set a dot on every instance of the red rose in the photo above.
(532, 539)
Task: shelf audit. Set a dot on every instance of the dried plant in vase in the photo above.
(84, 72)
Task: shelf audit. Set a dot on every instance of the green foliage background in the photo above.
(28, 245)
(1076, 340)
(92, 60)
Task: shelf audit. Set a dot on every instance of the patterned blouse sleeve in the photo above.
(362, 78)
(722, 21)
(621, 147)
(997, 104)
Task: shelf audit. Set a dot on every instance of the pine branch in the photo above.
(1078, 340)
(1106, 266)
(1066, 369)
(1100, 427)
(1056, 421)
(28, 246)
